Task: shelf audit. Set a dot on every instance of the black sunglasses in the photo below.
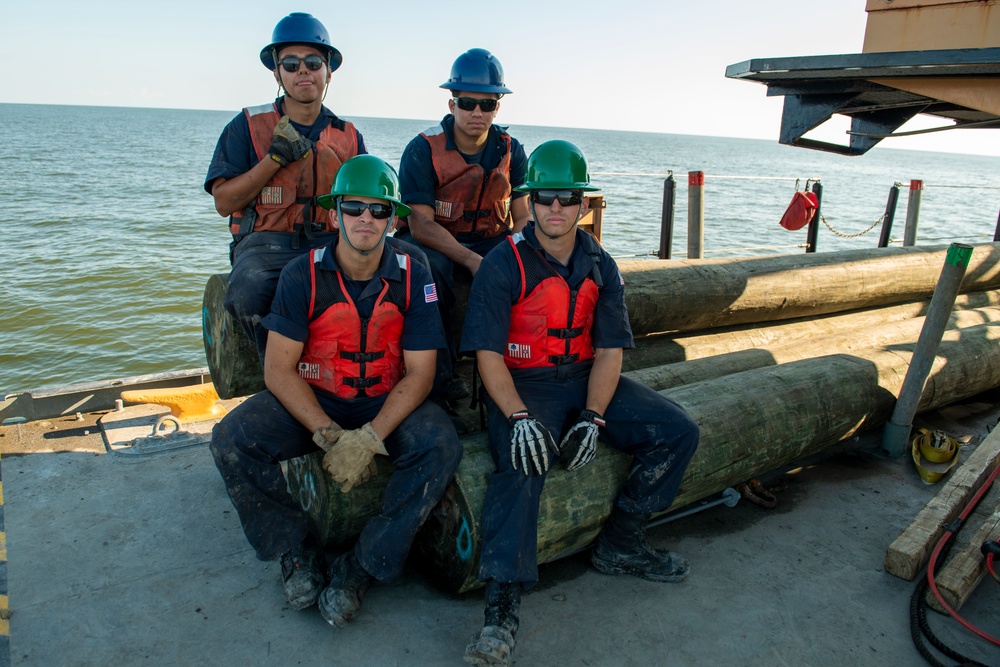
(565, 197)
(469, 103)
(356, 208)
(291, 63)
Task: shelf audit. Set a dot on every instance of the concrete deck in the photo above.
(127, 562)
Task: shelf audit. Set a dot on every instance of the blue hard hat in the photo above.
(300, 28)
(477, 71)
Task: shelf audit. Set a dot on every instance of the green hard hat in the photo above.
(557, 165)
(366, 176)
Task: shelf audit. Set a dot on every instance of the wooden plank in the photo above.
(967, 566)
(908, 553)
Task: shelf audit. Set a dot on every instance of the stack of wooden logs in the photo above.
(775, 358)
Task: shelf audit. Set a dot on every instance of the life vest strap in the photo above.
(362, 383)
(566, 333)
(563, 359)
(472, 216)
(362, 357)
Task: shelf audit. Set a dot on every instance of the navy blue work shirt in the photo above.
(289, 314)
(235, 155)
(497, 286)
(418, 182)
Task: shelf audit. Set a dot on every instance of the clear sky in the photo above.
(642, 65)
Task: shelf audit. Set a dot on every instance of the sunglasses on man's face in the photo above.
(565, 197)
(291, 63)
(356, 208)
(469, 103)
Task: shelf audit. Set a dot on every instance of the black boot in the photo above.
(341, 601)
(494, 644)
(621, 548)
(302, 574)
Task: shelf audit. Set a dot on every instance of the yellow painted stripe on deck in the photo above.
(4, 617)
(3, 547)
(1, 493)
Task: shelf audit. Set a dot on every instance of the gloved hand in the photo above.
(288, 145)
(531, 444)
(581, 439)
(352, 459)
(326, 437)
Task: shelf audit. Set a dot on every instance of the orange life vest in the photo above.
(348, 355)
(289, 198)
(467, 200)
(550, 324)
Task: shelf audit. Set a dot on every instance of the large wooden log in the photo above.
(879, 336)
(655, 350)
(751, 422)
(690, 295)
(232, 357)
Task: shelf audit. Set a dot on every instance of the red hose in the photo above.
(989, 562)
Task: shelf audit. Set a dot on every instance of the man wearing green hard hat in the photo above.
(353, 336)
(548, 323)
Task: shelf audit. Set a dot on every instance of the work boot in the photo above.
(341, 601)
(302, 575)
(494, 644)
(621, 548)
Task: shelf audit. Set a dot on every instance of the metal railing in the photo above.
(696, 214)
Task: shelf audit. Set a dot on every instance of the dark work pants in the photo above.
(655, 431)
(257, 263)
(251, 441)
(443, 271)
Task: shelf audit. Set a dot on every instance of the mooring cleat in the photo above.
(194, 403)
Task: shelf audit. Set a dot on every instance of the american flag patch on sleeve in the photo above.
(518, 351)
(430, 293)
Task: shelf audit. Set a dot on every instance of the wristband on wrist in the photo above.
(592, 416)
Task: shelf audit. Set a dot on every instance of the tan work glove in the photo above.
(352, 459)
(326, 437)
(287, 145)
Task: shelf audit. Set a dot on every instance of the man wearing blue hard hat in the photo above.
(354, 333)
(272, 162)
(458, 177)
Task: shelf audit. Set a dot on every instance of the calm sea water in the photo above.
(110, 238)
